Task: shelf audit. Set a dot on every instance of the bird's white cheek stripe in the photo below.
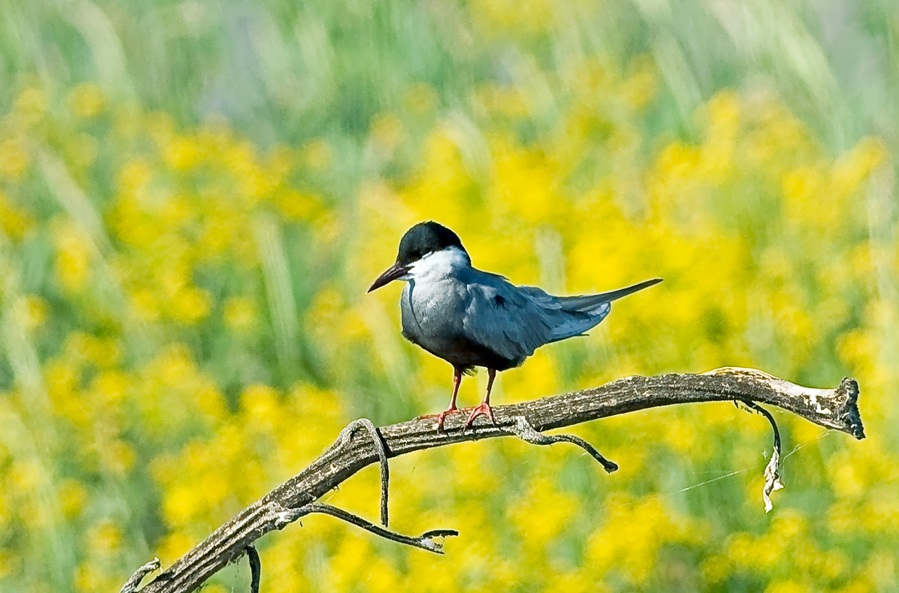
(440, 263)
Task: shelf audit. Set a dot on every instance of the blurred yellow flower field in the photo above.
(184, 260)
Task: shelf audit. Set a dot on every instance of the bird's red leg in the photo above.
(457, 380)
(484, 409)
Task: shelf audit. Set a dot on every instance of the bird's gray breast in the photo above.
(432, 313)
(433, 317)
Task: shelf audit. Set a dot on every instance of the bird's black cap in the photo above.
(424, 238)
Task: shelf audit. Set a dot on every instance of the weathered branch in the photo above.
(134, 580)
(831, 408)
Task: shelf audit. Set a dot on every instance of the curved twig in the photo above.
(381, 448)
(425, 541)
(523, 430)
(255, 569)
(772, 470)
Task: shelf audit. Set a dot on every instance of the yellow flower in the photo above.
(240, 313)
(72, 498)
(298, 206)
(104, 537)
(576, 581)
(854, 168)
(789, 586)
(191, 305)
(174, 545)
(134, 176)
(259, 403)
(110, 386)
(881, 569)
(724, 113)
(73, 255)
(14, 159)
(119, 457)
(87, 100)
(542, 513)
(145, 305)
(10, 563)
(89, 576)
(182, 153)
(714, 569)
(15, 222)
(31, 311)
(30, 105)
(632, 536)
(507, 17)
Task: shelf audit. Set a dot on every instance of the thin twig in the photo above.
(381, 449)
(255, 569)
(425, 541)
(772, 470)
(131, 584)
(523, 430)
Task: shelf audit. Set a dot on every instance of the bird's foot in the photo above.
(441, 417)
(482, 410)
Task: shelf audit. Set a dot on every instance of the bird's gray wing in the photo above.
(569, 316)
(500, 317)
(596, 302)
(514, 321)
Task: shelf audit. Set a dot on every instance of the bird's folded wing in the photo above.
(506, 321)
(513, 321)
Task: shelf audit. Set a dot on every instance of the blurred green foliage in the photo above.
(195, 195)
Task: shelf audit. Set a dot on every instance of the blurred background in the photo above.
(195, 195)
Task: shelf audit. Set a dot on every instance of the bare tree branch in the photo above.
(134, 580)
(831, 408)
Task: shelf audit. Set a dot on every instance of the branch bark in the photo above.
(831, 408)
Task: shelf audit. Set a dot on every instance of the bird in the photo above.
(471, 318)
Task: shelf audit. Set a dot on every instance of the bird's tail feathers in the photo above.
(587, 303)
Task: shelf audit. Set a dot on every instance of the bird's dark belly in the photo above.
(454, 347)
(465, 353)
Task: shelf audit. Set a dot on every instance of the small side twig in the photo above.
(255, 569)
(381, 450)
(425, 541)
(131, 584)
(523, 430)
(772, 470)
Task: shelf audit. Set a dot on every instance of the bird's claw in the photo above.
(442, 416)
(482, 410)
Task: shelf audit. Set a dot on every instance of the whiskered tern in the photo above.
(472, 318)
